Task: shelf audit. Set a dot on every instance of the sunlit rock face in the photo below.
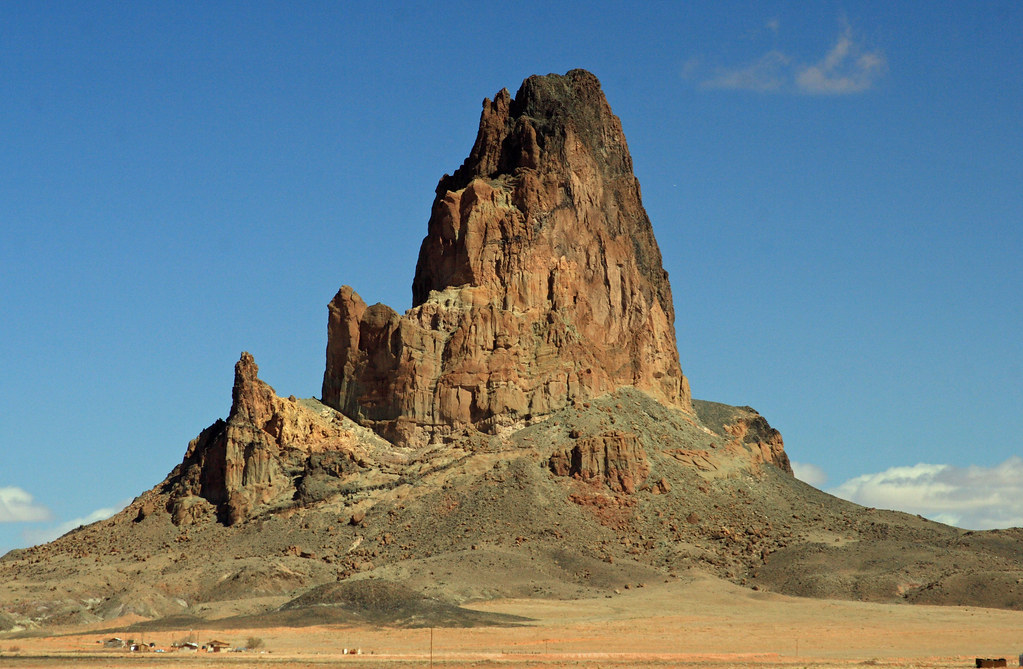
(255, 457)
(539, 282)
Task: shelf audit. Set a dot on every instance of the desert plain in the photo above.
(694, 620)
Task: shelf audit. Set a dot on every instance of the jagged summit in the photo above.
(530, 130)
(539, 282)
(269, 452)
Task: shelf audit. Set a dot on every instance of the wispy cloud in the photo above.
(970, 497)
(808, 473)
(18, 506)
(42, 535)
(769, 73)
(847, 68)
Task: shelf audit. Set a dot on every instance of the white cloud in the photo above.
(808, 473)
(769, 73)
(973, 497)
(845, 69)
(41, 536)
(18, 506)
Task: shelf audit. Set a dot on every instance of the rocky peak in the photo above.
(251, 398)
(532, 131)
(556, 146)
(254, 457)
(539, 282)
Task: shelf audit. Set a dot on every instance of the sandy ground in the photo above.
(702, 623)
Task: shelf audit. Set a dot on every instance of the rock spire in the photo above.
(539, 282)
(268, 451)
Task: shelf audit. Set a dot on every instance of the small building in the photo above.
(217, 646)
(187, 646)
(114, 642)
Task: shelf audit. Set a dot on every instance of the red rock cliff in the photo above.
(539, 282)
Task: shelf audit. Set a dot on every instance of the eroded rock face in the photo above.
(748, 434)
(764, 442)
(256, 455)
(539, 282)
(616, 458)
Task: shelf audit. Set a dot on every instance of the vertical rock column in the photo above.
(539, 282)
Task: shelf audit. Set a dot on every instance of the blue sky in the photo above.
(837, 190)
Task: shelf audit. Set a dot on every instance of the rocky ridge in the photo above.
(269, 452)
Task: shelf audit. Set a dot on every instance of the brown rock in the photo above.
(764, 442)
(146, 507)
(239, 506)
(189, 510)
(697, 458)
(254, 456)
(539, 282)
(615, 457)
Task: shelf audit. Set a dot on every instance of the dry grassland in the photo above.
(705, 623)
